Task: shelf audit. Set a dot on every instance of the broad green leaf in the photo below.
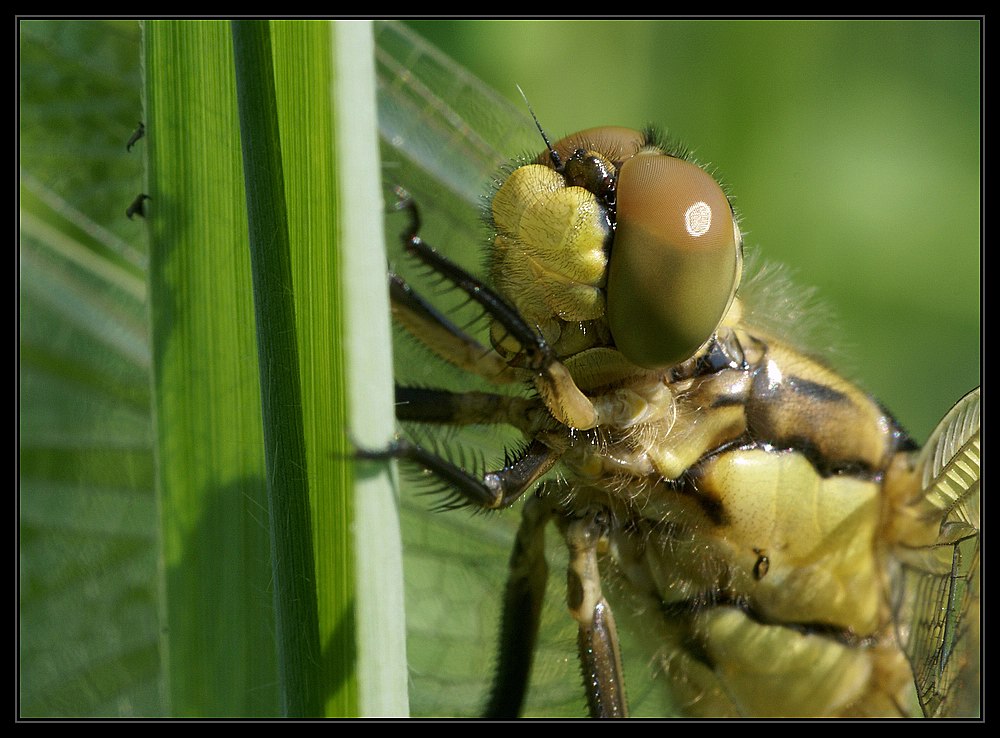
(217, 597)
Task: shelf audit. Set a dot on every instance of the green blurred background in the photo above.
(852, 149)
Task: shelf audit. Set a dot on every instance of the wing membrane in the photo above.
(939, 616)
(442, 118)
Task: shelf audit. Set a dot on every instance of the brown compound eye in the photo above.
(675, 263)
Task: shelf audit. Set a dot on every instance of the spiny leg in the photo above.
(494, 490)
(443, 337)
(424, 405)
(522, 607)
(553, 381)
(597, 639)
(535, 353)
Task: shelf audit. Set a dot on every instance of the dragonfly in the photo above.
(913, 580)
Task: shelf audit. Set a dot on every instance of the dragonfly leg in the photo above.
(422, 405)
(597, 637)
(522, 606)
(491, 491)
(597, 640)
(534, 358)
(443, 337)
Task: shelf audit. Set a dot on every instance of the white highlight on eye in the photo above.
(698, 219)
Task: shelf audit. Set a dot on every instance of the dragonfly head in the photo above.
(675, 258)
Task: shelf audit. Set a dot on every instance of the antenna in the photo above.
(556, 161)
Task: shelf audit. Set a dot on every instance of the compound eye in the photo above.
(675, 263)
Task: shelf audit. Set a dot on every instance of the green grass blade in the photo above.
(277, 344)
(304, 135)
(382, 672)
(316, 219)
(217, 595)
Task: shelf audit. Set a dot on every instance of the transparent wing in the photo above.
(441, 117)
(939, 618)
(445, 136)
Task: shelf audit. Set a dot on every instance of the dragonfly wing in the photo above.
(938, 617)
